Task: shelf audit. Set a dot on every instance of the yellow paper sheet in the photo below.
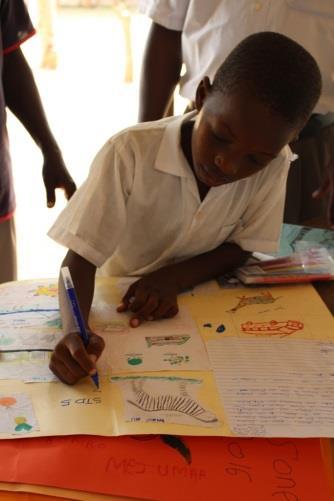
(123, 405)
(65, 494)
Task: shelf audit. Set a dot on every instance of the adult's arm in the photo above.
(23, 99)
(160, 73)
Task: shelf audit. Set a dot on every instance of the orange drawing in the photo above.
(7, 401)
(272, 328)
(263, 298)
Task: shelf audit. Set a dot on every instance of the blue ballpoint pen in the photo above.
(77, 315)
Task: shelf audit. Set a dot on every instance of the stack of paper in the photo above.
(313, 264)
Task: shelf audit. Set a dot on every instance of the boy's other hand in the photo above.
(56, 175)
(150, 299)
(71, 360)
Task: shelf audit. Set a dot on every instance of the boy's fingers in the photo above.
(150, 312)
(122, 307)
(63, 373)
(71, 370)
(135, 321)
(72, 361)
(78, 352)
(141, 297)
(165, 310)
(174, 310)
(64, 366)
(147, 309)
(127, 298)
(95, 346)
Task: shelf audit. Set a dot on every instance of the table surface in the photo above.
(326, 292)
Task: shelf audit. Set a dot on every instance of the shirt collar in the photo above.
(170, 157)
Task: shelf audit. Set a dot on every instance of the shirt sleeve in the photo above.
(16, 26)
(168, 13)
(260, 227)
(95, 218)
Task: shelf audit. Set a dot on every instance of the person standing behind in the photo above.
(19, 93)
(191, 31)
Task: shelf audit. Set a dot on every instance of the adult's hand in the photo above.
(56, 175)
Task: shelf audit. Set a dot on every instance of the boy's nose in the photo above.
(226, 164)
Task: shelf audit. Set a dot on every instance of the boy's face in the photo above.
(234, 136)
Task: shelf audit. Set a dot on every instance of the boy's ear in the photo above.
(202, 92)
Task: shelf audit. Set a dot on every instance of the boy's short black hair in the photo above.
(275, 70)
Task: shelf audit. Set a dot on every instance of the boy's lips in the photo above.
(213, 177)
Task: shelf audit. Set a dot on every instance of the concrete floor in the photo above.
(86, 101)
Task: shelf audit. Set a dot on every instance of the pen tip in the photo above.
(95, 379)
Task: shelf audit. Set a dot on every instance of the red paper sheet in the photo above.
(151, 467)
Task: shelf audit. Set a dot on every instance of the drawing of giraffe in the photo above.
(264, 297)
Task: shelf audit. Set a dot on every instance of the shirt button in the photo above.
(257, 6)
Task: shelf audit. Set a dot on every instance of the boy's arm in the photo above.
(22, 98)
(155, 295)
(160, 73)
(71, 360)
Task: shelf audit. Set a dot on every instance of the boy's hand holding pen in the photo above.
(72, 360)
(76, 354)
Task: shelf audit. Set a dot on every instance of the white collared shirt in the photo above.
(212, 28)
(140, 209)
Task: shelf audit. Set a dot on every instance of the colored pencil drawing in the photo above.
(221, 328)
(16, 414)
(166, 340)
(27, 366)
(175, 359)
(264, 297)
(113, 326)
(272, 328)
(135, 359)
(21, 424)
(28, 297)
(5, 340)
(40, 330)
(50, 290)
(163, 400)
(182, 403)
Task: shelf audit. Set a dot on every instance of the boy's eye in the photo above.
(220, 138)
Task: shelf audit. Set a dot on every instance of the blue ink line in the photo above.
(28, 350)
(28, 311)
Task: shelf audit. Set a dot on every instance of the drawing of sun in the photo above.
(43, 290)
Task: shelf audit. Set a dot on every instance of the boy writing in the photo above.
(184, 199)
